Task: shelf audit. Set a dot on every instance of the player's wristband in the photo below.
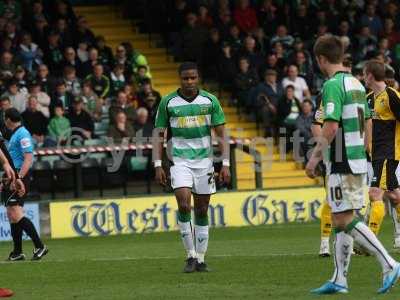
(226, 163)
(157, 163)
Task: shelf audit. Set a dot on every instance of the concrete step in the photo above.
(275, 174)
(269, 183)
(93, 9)
(246, 167)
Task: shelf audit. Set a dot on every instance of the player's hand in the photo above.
(311, 167)
(19, 187)
(161, 178)
(225, 175)
(10, 174)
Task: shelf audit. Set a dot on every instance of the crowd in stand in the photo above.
(261, 51)
(62, 78)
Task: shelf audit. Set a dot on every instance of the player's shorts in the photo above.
(201, 181)
(10, 198)
(346, 191)
(385, 175)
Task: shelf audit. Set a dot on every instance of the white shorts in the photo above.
(346, 191)
(201, 181)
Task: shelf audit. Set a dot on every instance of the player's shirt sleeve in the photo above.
(162, 115)
(394, 102)
(25, 142)
(332, 101)
(217, 115)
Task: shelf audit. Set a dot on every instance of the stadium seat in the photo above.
(50, 159)
(94, 142)
(91, 178)
(113, 179)
(42, 177)
(139, 169)
(64, 176)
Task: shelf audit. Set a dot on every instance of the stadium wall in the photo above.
(159, 213)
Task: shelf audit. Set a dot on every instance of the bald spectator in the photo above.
(301, 89)
(142, 125)
(253, 55)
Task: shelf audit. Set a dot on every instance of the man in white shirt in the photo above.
(301, 90)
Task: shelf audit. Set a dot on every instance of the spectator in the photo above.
(40, 31)
(234, 39)
(71, 60)
(62, 96)
(82, 52)
(120, 129)
(43, 99)
(117, 79)
(66, 37)
(105, 53)
(226, 66)
(245, 79)
(194, 37)
(140, 77)
(288, 112)
(270, 88)
(142, 126)
(301, 90)
(21, 78)
(18, 99)
(223, 24)
(59, 127)
(83, 33)
(29, 53)
(254, 57)
(131, 95)
(35, 121)
(268, 17)
(303, 23)
(92, 103)
(71, 81)
(371, 20)
(283, 37)
(121, 104)
(262, 42)
(391, 33)
(10, 31)
(245, 16)
(93, 59)
(204, 18)
(99, 81)
(81, 122)
(390, 79)
(135, 58)
(365, 43)
(45, 80)
(11, 10)
(274, 64)
(6, 45)
(5, 104)
(53, 53)
(7, 65)
(303, 124)
(150, 99)
(210, 57)
(304, 67)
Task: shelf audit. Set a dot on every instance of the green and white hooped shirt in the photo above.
(189, 123)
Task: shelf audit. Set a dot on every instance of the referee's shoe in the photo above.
(38, 253)
(16, 256)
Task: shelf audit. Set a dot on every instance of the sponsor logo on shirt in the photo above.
(25, 143)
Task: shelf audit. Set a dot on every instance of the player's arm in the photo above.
(28, 160)
(7, 163)
(368, 136)
(159, 131)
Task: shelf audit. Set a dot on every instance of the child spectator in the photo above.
(59, 127)
(117, 79)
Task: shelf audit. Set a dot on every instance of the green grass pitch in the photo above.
(268, 262)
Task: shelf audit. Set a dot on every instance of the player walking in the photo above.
(384, 102)
(188, 115)
(345, 112)
(21, 152)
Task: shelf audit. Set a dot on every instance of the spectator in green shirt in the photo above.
(59, 127)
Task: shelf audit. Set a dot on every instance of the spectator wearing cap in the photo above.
(59, 128)
(81, 122)
(227, 68)
(92, 103)
(121, 128)
(269, 87)
(283, 37)
(303, 124)
(35, 121)
(43, 98)
(143, 126)
(106, 56)
(29, 53)
(18, 99)
(53, 53)
(150, 99)
(301, 89)
(62, 96)
(100, 82)
(245, 16)
(71, 81)
(121, 103)
(245, 79)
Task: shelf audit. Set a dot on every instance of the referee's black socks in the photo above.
(16, 233)
(27, 226)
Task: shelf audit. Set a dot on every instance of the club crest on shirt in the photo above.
(25, 142)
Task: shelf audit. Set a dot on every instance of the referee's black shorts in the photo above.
(385, 176)
(10, 198)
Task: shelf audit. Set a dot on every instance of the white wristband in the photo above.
(157, 163)
(226, 163)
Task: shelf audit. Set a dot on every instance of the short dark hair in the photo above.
(376, 68)
(331, 47)
(5, 98)
(309, 102)
(188, 65)
(13, 115)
